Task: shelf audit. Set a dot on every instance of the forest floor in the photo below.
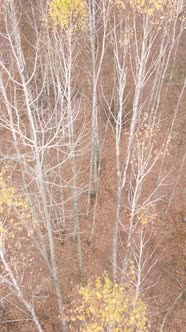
(169, 275)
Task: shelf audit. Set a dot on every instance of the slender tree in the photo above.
(135, 38)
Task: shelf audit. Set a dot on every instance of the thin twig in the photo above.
(171, 308)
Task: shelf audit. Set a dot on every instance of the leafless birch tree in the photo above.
(143, 45)
(40, 110)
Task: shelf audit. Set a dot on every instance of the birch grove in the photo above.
(54, 95)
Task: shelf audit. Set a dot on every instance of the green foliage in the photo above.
(67, 13)
(107, 306)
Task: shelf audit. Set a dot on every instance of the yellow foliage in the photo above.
(103, 304)
(153, 7)
(156, 10)
(67, 13)
(14, 209)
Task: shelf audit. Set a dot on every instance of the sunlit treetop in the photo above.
(68, 13)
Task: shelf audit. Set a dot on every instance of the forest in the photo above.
(92, 165)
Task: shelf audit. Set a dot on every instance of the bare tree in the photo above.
(142, 50)
(41, 115)
(98, 31)
(9, 278)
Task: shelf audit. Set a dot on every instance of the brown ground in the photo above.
(169, 234)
